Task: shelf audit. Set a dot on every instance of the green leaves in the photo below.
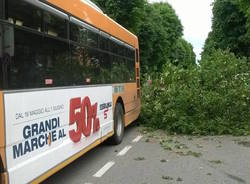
(158, 28)
(160, 39)
(183, 53)
(128, 13)
(231, 27)
(213, 98)
(245, 8)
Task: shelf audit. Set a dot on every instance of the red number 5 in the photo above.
(75, 117)
(84, 124)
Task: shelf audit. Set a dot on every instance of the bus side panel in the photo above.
(132, 103)
(39, 135)
(131, 98)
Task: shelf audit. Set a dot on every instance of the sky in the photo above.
(196, 18)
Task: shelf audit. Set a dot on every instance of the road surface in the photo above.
(154, 158)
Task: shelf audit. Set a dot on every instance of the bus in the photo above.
(70, 79)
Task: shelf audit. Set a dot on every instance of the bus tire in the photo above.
(118, 125)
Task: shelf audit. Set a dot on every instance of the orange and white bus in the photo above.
(69, 80)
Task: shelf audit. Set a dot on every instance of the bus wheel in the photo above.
(118, 125)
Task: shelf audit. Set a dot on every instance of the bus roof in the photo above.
(90, 13)
(93, 5)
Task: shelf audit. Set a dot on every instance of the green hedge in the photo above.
(210, 99)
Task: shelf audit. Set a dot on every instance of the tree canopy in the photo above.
(245, 7)
(159, 30)
(128, 13)
(230, 29)
(183, 53)
(158, 34)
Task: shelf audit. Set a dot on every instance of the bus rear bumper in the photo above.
(4, 178)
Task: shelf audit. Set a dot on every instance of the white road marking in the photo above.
(137, 139)
(124, 151)
(104, 169)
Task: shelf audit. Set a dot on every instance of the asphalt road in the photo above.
(154, 158)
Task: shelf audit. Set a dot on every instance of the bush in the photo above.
(210, 99)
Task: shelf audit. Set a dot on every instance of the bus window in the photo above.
(121, 50)
(1, 57)
(1, 41)
(17, 14)
(105, 74)
(6, 50)
(78, 34)
(124, 70)
(114, 47)
(118, 70)
(2, 9)
(57, 62)
(79, 64)
(26, 70)
(74, 32)
(128, 54)
(93, 66)
(92, 39)
(104, 43)
(115, 69)
(8, 47)
(132, 54)
(55, 25)
(131, 66)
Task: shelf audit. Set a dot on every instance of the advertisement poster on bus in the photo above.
(53, 125)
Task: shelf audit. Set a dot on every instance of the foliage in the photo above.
(128, 13)
(210, 99)
(245, 7)
(229, 29)
(159, 35)
(158, 28)
(183, 53)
